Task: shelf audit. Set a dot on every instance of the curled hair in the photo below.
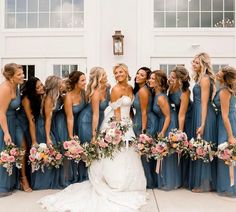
(229, 78)
(182, 76)
(148, 73)
(124, 67)
(29, 91)
(161, 79)
(95, 77)
(72, 80)
(10, 69)
(206, 67)
(52, 89)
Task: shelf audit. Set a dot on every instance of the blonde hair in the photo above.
(10, 69)
(95, 77)
(229, 78)
(124, 67)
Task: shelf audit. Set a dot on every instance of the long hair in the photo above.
(229, 78)
(148, 72)
(95, 77)
(183, 77)
(161, 80)
(29, 91)
(72, 80)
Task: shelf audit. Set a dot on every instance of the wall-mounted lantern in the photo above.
(118, 43)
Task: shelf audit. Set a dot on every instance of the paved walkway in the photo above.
(159, 201)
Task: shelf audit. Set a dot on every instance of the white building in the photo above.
(57, 36)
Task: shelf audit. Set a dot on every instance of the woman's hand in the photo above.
(200, 131)
(7, 139)
(161, 134)
(93, 140)
(232, 140)
(49, 142)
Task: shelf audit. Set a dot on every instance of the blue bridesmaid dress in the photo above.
(85, 129)
(149, 166)
(9, 183)
(176, 101)
(169, 176)
(223, 178)
(202, 175)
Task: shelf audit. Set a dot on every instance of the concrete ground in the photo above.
(159, 201)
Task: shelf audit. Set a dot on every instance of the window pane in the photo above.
(43, 20)
(194, 19)
(65, 71)
(55, 5)
(21, 6)
(31, 71)
(163, 67)
(33, 5)
(206, 5)
(20, 20)
(73, 68)
(43, 5)
(159, 19)
(171, 67)
(66, 20)
(182, 19)
(229, 5)
(170, 19)
(56, 70)
(78, 19)
(218, 5)
(32, 20)
(218, 19)
(215, 68)
(10, 20)
(55, 21)
(182, 5)
(158, 5)
(10, 6)
(170, 5)
(205, 19)
(66, 5)
(229, 19)
(78, 5)
(194, 5)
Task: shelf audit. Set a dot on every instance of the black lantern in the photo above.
(118, 43)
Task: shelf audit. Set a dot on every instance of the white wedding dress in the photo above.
(116, 185)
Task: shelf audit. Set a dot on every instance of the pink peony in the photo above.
(11, 159)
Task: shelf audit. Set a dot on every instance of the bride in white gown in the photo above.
(116, 185)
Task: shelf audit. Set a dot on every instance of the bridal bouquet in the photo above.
(227, 153)
(73, 150)
(201, 149)
(42, 156)
(143, 145)
(111, 139)
(178, 142)
(11, 156)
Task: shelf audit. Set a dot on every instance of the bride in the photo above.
(116, 185)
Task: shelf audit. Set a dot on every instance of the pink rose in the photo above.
(11, 159)
(58, 156)
(200, 151)
(4, 158)
(154, 150)
(102, 144)
(65, 145)
(33, 151)
(186, 143)
(108, 138)
(14, 152)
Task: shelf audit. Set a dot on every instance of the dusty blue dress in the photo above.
(149, 166)
(9, 183)
(176, 101)
(203, 175)
(223, 179)
(169, 176)
(85, 128)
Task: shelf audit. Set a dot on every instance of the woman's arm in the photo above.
(48, 109)
(165, 109)
(69, 114)
(225, 96)
(95, 100)
(5, 99)
(115, 95)
(184, 101)
(143, 99)
(31, 120)
(205, 94)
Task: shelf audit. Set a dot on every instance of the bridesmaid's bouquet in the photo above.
(160, 148)
(11, 156)
(227, 153)
(178, 142)
(201, 149)
(90, 153)
(42, 156)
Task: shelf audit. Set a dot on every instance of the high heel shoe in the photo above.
(25, 185)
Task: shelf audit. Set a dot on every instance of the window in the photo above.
(217, 67)
(64, 70)
(44, 13)
(29, 71)
(194, 13)
(167, 68)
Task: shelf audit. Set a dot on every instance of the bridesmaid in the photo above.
(52, 104)
(179, 96)
(202, 176)
(91, 117)
(9, 102)
(225, 101)
(144, 119)
(74, 102)
(169, 176)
